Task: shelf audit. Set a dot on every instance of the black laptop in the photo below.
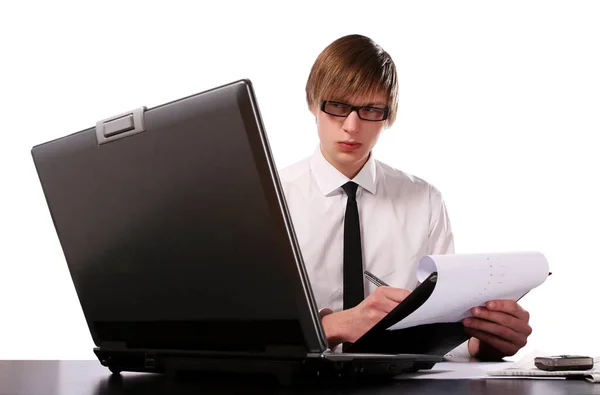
(181, 249)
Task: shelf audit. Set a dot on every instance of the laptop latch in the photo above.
(119, 126)
(150, 361)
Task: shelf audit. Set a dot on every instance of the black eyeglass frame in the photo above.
(386, 110)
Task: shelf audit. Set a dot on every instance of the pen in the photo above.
(372, 278)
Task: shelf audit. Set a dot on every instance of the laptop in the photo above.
(181, 248)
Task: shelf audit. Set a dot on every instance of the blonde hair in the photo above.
(350, 67)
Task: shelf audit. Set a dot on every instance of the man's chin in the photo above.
(350, 158)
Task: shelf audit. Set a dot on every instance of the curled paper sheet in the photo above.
(465, 281)
(593, 377)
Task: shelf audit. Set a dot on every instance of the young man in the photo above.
(354, 213)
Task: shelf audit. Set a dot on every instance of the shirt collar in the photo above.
(329, 179)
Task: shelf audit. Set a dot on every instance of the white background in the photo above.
(499, 109)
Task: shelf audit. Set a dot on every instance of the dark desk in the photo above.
(89, 377)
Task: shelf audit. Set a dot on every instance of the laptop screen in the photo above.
(177, 237)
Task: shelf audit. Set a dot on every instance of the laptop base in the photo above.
(316, 368)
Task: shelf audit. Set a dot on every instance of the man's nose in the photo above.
(352, 122)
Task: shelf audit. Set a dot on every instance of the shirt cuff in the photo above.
(460, 353)
(325, 311)
(322, 313)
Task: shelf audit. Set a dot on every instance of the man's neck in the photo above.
(350, 170)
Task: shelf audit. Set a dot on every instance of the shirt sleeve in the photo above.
(441, 239)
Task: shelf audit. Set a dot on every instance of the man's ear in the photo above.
(313, 109)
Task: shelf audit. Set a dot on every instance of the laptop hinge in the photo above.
(286, 351)
(119, 126)
(113, 345)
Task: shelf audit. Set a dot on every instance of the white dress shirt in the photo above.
(401, 217)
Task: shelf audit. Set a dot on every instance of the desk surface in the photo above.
(89, 377)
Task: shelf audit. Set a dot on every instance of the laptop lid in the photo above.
(175, 229)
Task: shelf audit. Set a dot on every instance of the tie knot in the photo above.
(350, 189)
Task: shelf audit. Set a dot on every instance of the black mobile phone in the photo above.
(564, 362)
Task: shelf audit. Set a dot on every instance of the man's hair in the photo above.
(350, 67)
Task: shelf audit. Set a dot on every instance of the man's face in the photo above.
(346, 142)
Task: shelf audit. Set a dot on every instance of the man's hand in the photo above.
(499, 329)
(351, 324)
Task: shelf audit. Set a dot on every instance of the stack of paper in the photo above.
(526, 367)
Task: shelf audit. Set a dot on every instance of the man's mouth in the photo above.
(349, 145)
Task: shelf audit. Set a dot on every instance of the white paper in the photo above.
(468, 280)
(526, 368)
(457, 371)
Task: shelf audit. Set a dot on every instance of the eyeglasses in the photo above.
(366, 113)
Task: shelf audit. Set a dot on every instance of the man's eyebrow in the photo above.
(348, 101)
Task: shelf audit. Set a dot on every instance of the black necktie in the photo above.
(353, 268)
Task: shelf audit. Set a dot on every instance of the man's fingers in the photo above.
(509, 307)
(516, 324)
(395, 294)
(497, 331)
(380, 302)
(386, 305)
(385, 299)
(505, 347)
